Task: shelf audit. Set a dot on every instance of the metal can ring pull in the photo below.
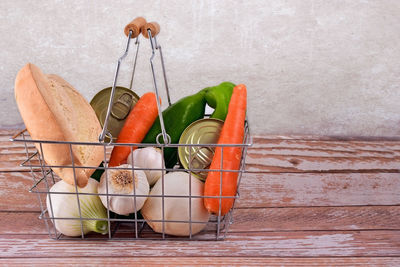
(121, 108)
(201, 157)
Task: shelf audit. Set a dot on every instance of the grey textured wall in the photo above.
(311, 67)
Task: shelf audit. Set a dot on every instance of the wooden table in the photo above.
(304, 201)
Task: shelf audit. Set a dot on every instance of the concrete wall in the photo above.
(311, 67)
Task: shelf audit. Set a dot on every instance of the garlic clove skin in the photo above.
(148, 157)
(121, 182)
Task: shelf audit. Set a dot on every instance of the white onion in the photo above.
(66, 206)
(176, 209)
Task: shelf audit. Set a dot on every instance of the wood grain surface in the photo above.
(258, 244)
(296, 155)
(204, 261)
(258, 190)
(260, 219)
(304, 200)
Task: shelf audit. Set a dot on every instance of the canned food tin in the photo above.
(203, 131)
(124, 101)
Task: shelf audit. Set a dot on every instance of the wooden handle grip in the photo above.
(154, 28)
(135, 26)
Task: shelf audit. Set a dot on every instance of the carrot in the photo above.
(232, 133)
(136, 126)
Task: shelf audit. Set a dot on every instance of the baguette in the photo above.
(53, 110)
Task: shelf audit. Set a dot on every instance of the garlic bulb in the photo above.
(121, 182)
(176, 209)
(66, 206)
(148, 157)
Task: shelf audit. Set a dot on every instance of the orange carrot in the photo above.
(136, 126)
(232, 133)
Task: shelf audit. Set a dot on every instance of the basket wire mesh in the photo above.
(119, 228)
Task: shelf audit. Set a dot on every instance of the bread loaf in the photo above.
(53, 110)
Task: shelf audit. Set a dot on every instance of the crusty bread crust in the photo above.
(53, 110)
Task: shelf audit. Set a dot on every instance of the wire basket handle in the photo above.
(150, 31)
(132, 30)
(135, 26)
(153, 27)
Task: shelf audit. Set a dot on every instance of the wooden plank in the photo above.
(8, 132)
(12, 154)
(203, 261)
(14, 193)
(329, 148)
(22, 223)
(258, 244)
(316, 218)
(324, 189)
(365, 138)
(256, 190)
(323, 156)
(256, 220)
(283, 155)
(260, 161)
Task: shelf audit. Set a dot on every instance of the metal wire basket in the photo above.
(133, 226)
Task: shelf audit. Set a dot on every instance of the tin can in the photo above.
(203, 131)
(124, 101)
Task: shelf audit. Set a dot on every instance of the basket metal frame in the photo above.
(43, 178)
(135, 228)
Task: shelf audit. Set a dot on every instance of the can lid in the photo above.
(203, 131)
(124, 101)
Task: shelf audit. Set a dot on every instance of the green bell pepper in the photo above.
(218, 98)
(177, 117)
(187, 110)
